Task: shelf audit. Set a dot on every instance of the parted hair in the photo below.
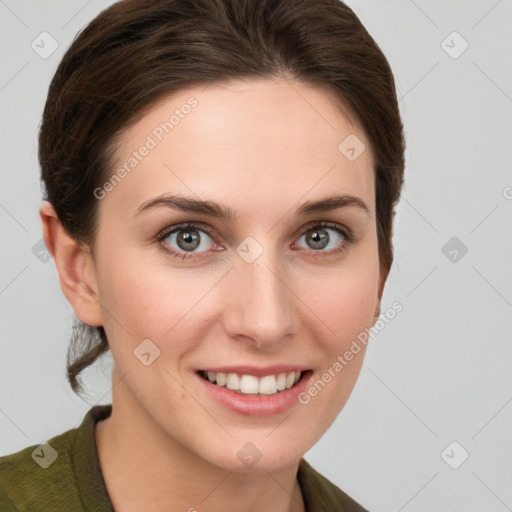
(137, 51)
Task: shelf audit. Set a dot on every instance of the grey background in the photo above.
(439, 372)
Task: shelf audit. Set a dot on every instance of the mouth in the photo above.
(247, 384)
(252, 391)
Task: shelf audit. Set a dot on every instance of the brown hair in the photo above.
(136, 52)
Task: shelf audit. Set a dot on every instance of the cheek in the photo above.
(355, 306)
(151, 300)
(347, 307)
(345, 303)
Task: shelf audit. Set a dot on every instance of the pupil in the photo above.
(319, 239)
(188, 238)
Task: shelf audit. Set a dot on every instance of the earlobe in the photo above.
(75, 265)
(380, 288)
(377, 312)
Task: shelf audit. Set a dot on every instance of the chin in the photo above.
(260, 452)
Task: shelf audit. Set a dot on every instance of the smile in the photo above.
(251, 385)
(255, 391)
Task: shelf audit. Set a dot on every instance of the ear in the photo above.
(75, 265)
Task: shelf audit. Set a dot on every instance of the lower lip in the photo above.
(258, 405)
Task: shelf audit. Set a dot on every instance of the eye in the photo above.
(318, 238)
(186, 240)
(191, 240)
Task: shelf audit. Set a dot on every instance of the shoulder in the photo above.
(53, 475)
(320, 494)
(36, 475)
(6, 505)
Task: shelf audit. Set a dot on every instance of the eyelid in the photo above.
(164, 233)
(344, 230)
(348, 235)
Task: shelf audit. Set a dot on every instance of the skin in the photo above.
(262, 148)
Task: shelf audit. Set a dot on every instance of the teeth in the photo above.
(221, 379)
(233, 381)
(248, 384)
(251, 385)
(268, 385)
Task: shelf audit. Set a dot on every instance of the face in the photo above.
(271, 287)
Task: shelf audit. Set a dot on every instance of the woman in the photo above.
(220, 179)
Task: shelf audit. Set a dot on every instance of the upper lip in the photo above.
(258, 371)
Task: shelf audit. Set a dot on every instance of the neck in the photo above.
(145, 469)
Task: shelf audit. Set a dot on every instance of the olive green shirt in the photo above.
(66, 476)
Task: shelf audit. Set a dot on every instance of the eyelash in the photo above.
(348, 236)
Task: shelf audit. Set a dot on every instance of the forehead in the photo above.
(268, 140)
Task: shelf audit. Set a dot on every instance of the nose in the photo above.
(261, 303)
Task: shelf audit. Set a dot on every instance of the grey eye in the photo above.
(318, 238)
(188, 240)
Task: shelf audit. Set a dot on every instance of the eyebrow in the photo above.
(212, 209)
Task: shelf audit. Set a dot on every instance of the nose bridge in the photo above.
(263, 309)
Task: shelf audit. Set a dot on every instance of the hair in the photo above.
(137, 52)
